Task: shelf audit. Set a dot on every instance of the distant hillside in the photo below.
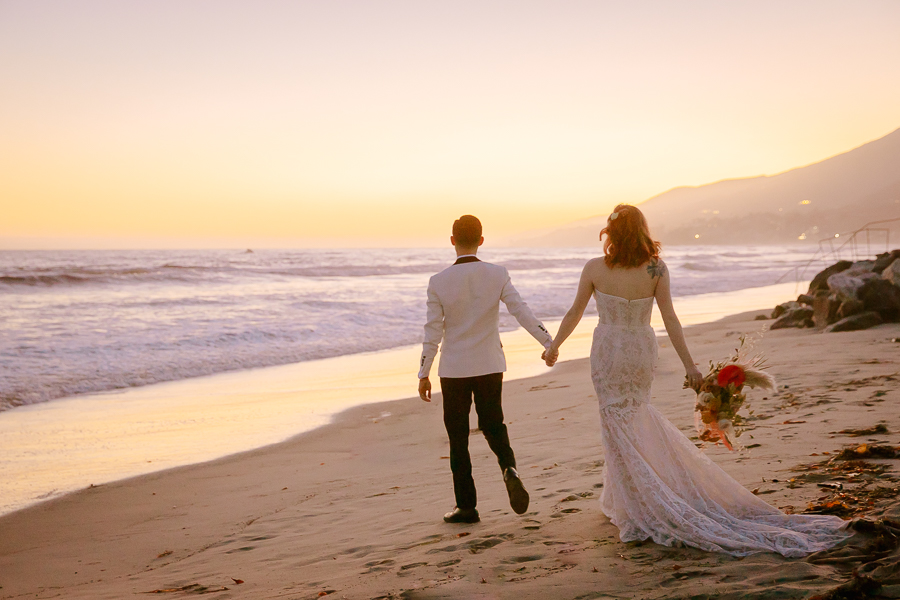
(835, 195)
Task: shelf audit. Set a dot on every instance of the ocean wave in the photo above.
(321, 304)
(543, 263)
(346, 270)
(182, 301)
(706, 267)
(187, 274)
(740, 254)
(113, 368)
(291, 266)
(86, 276)
(41, 280)
(204, 312)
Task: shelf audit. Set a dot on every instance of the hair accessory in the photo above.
(614, 216)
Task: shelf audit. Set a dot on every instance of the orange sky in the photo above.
(221, 123)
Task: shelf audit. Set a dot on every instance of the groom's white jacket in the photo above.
(464, 310)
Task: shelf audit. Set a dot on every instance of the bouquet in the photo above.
(721, 395)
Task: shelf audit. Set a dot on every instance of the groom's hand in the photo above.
(425, 389)
(550, 356)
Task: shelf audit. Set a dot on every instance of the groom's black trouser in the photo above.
(458, 393)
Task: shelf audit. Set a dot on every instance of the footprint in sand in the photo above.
(678, 579)
(523, 559)
(575, 498)
(359, 550)
(378, 565)
(449, 563)
(566, 511)
(444, 549)
(476, 547)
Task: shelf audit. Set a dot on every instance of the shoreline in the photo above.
(355, 506)
(172, 315)
(373, 412)
(761, 294)
(69, 444)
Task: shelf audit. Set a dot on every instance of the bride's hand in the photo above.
(550, 356)
(693, 378)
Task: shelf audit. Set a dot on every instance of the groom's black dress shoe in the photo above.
(518, 497)
(462, 515)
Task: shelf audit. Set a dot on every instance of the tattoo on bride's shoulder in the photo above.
(656, 268)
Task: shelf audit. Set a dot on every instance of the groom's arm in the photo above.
(434, 332)
(517, 308)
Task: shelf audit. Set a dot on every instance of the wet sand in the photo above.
(353, 509)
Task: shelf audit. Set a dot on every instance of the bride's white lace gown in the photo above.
(657, 484)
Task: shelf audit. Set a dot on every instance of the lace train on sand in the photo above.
(657, 484)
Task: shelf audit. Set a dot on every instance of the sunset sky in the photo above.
(348, 123)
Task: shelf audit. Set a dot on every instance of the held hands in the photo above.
(550, 355)
(425, 389)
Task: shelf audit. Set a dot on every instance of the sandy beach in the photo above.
(234, 233)
(353, 509)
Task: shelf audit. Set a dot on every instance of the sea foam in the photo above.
(77, 322)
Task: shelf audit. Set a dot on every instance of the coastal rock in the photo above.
(862, 320)
(801, 316)
(847, 283)
(849, 308)
(884, 260)
(820, 281)
(861, 266)
(892, 273)
(806, 299)
(883, 297)
(825, 307)
(784, 307)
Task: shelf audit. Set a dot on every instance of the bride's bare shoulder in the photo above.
(595, 264)
(595, 269)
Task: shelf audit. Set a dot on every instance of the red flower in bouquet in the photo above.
(721, 395)
(731, 374)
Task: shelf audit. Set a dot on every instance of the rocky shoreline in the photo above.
(847, 296)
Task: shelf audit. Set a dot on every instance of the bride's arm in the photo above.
(573, 316)
(673, 327)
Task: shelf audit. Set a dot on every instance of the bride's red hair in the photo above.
(628, 242)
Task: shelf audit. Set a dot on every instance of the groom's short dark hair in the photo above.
(467, 230)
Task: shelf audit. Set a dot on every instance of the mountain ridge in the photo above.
(809, 202)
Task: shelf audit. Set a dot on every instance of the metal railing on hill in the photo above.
(846, 246)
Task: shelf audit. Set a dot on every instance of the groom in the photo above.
(463, 309)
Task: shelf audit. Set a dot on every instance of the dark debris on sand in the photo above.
(879, 429)
(868, 451)
(848, 467)
(872, 557)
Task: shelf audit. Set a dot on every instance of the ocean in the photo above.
(77, 322)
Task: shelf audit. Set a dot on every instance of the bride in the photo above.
(657, 484)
